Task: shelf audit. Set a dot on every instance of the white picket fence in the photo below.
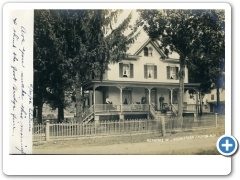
(49, 130)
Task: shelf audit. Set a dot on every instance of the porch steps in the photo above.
(88, 119)
(167, 114)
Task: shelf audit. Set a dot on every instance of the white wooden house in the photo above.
(146, 72)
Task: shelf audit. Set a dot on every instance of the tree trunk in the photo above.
(181, 85)
(61, 106)
(218, 97)
(60, 113)
(78, 99)
(39, 113)
(200, 106)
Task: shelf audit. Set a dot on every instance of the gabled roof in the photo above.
(138, 46)
(154, 44)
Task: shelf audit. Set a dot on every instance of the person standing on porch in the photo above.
(108, 102)
(161, 101)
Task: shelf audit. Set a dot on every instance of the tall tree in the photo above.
(207, 62)
(93, 42)
(69, 44)
(182, 31)
(51, 67)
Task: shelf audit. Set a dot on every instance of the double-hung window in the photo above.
(172, 72)
(212, 96)
(150, 71)
(126, 70)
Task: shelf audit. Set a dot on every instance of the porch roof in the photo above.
(89, 85)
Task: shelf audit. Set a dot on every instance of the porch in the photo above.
(133, 98)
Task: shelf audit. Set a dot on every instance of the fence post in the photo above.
(47, 130)
(163, 126)
(216, 121)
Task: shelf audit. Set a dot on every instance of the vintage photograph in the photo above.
(128, 82)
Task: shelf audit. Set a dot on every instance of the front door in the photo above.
(126, 97)
(153, 98)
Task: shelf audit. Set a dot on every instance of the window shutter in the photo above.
(131, 70)
(155, 72)
(168, 72)
(145, 72)
(176, 72)
(120, 69)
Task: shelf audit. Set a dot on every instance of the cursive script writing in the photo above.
(14, 73)
(15, 37)
(21, 140)
(23, 32)
(22, 112)
(30, 88)
(13, 121)
(22, 86)
(22, 55)
(14, 100)
(30, 119)
(15, 57)
(15, 21)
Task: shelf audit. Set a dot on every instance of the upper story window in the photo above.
(172, 72)
(145, 51)
(148, 51)
(150, 71)
(126, 70)
(212, 96)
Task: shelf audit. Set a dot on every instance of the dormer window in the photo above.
(145, 51)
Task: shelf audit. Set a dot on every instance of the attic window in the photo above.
(145, 51)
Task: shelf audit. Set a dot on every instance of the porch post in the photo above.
(120, 98)
(149, 99)
(94, 96)
(171, 94)
(149, 95)
(120, 88)
(90, 99)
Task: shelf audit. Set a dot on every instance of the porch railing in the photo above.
(119, 108)
(152, 111)
(88, 113)
(114, 108)
(174, 109)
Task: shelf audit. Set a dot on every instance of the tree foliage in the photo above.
(70, 45)
(196, 35)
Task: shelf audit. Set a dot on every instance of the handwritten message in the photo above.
(21, 83)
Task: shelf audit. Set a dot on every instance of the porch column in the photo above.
(94, 96)
(171, 95)
(120, 88)
(90, 98)
(171, 90)
(149, 95)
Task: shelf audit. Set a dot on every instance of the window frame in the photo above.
(169, 72)
(130, 70)
(212, 96)
(146, 51)
(146, 71)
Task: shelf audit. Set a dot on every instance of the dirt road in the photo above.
(179, 145)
